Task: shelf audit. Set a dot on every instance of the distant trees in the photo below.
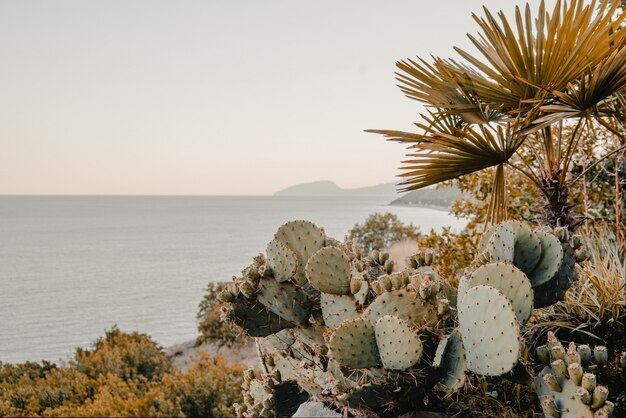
(380, 230)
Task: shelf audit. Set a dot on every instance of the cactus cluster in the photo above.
(349, 331)
(343, 326)
(546, 257)
(517, 269)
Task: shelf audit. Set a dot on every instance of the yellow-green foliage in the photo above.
(209, 388)
(454, 251)
(127, 356)
(380, 230)
(124, 375)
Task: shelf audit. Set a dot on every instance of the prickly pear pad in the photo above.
(406, 304)
(527, 247)
(511, 281)
(398, 343)
(337, 308)
(328, 270)
(554, 290)
(551, 259)
(484, 239)
(285, 300)
(462, 287)
(453, 364)
(490, 330)
(353, 344)
(256, 320)
(304, 238)
(281, 260)
(502, 243)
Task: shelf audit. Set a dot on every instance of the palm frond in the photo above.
(449, 148)
(548, 55)
(591, 90)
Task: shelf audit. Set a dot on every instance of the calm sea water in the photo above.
(72, 267)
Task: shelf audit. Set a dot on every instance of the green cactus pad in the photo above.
(337, 308)
(502, 243)
(310, 336)
(462, 287)
(452, 363)
(527, 247)
(328, 270)
(566, 399)
(285, 300)
(509, 280)
(281, 260)
(483, 243)
(398, 343)
(490, 330)
(551, 259)
(405, 304)
(353, 344)
(554, 290)
(280, 341)
(256, 320)
(304, 239)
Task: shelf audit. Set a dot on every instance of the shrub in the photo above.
(124, 375)
(455, 251)
(209, 388)
(127, 356)
(32, 394)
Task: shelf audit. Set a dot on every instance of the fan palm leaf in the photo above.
(450, 148)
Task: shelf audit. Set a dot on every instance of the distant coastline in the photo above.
(438, 199)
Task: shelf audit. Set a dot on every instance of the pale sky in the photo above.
(208, 97)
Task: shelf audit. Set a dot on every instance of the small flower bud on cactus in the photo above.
(600, 393)
(588, 382)
(388, 266)
(543, 354)
(355, 286)
(583, 395)
(549, 407)
(600, 355)
(585, 354)
(575, 373)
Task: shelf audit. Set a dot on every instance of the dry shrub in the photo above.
(209, 388)
(123, 375)
(127, 356)
(594, 309)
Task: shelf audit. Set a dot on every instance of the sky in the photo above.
(155, 97)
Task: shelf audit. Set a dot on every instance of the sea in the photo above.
(73, 267)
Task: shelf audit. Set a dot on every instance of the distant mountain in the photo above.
(329, 188)
(442, 198)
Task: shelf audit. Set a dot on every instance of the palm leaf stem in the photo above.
(530, 175)
(571, 146)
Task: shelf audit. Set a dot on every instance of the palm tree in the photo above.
(537, 87)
